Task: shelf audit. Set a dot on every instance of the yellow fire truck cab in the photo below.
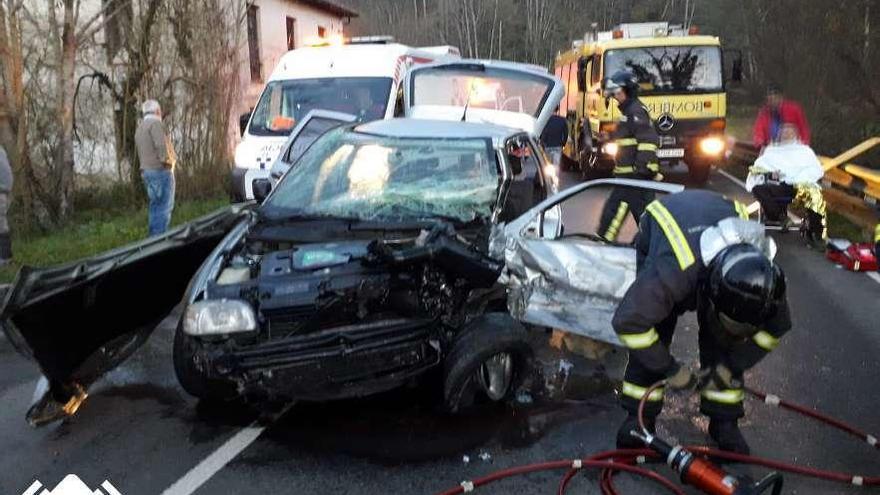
(682, 85)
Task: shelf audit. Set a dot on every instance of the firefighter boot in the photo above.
(625, 440)
(726, 434)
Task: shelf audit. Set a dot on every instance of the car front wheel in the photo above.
(487, 362)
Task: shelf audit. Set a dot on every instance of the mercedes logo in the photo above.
(665, 122)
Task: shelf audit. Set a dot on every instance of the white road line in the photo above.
(218, 459)
(872, 275)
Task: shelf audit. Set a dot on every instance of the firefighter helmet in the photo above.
(622, 79)
(745, 287)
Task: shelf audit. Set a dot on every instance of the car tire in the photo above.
(487, 336)
(193, 381)
(699, 173)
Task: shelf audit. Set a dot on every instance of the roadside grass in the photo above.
(93, 231)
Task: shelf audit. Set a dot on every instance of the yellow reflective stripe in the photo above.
(877, 233)
(729, 396)
(676, 238)
(636, 392)
(654, 167)
(624, 169)
(647, 147)
(741, 210)
(627, 142)
(639, 340)
(617, 221)
(765, 340)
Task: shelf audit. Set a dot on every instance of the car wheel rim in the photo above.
(495, 375)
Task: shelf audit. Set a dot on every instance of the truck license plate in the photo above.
(670, 153)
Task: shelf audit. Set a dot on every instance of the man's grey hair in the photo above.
(151, 107)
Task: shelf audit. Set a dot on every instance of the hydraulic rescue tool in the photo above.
(700, 472)
(703, 474)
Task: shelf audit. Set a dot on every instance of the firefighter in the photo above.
(636, 157)
(692, 254)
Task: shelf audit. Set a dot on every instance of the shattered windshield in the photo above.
(353, 175)
(670, 69)
(284, 103)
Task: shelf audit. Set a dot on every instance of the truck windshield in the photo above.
(348, 174)
(670, 69)
(283, 103)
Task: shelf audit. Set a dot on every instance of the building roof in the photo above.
(335, 8)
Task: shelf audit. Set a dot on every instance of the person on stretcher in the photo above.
(788, 173)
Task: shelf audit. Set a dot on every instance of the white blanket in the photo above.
(795, 163)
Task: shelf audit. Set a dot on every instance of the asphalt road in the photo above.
(142, 433)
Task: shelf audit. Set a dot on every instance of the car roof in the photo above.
(424, 128)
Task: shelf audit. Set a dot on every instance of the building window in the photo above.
(291, 33)
(322, 32)
(253, 32)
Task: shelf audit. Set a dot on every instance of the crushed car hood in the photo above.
(81, 319)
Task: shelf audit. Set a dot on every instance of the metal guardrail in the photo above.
(855, 180)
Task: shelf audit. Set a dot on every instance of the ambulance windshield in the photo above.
(284, 103)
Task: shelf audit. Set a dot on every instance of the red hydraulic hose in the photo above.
(614, 461)
(543, 466)
(812, 413)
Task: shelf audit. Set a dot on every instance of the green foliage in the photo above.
(93, 231)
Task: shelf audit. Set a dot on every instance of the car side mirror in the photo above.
(262, 188)
(243, 120)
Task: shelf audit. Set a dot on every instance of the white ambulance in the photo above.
(360, 77)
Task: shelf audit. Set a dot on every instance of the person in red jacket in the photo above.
(777, 112)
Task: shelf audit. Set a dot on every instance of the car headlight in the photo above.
(550, 170)
(219, 317)
(610, 149)
(712, 145)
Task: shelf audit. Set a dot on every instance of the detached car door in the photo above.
(81, 319)
(307, 131)
(509, 94)
(572, 280)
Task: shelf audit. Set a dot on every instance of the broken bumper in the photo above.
(336, 363)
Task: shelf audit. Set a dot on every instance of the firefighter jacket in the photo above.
(637, 142)
(670, 272)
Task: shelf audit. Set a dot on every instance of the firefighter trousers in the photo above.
(621, 202)
(721, 404)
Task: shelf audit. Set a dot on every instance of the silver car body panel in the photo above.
(571, 284)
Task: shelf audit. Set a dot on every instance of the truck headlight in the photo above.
(712, 145)
(218, 317)
(610, 149)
